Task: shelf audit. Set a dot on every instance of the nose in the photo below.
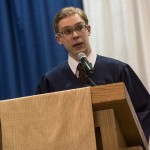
(75, 34)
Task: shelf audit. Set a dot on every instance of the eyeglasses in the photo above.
(68, 32)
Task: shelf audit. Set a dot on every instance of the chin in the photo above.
(81, 51)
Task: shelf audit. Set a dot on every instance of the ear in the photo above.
(89, 30)
(58, 39)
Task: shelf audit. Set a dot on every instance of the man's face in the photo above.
(74, 35)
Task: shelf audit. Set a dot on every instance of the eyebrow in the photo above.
(79, 23)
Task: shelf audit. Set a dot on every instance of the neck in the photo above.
(87, 53)
(76, 57)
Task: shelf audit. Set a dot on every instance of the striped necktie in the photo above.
(82, 77)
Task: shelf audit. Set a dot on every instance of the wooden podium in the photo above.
(64, 120)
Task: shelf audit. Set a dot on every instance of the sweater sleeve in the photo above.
(44, 86)
(139, 97)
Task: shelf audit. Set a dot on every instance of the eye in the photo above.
(79, 28)
(67, 31)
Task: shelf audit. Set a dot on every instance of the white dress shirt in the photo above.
(74, 63)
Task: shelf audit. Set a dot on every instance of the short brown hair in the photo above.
(68, 11)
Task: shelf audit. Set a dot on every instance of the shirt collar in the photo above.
(74, 63)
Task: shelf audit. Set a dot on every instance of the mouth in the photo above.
(78, 45)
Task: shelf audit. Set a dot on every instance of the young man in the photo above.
(73, 31)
